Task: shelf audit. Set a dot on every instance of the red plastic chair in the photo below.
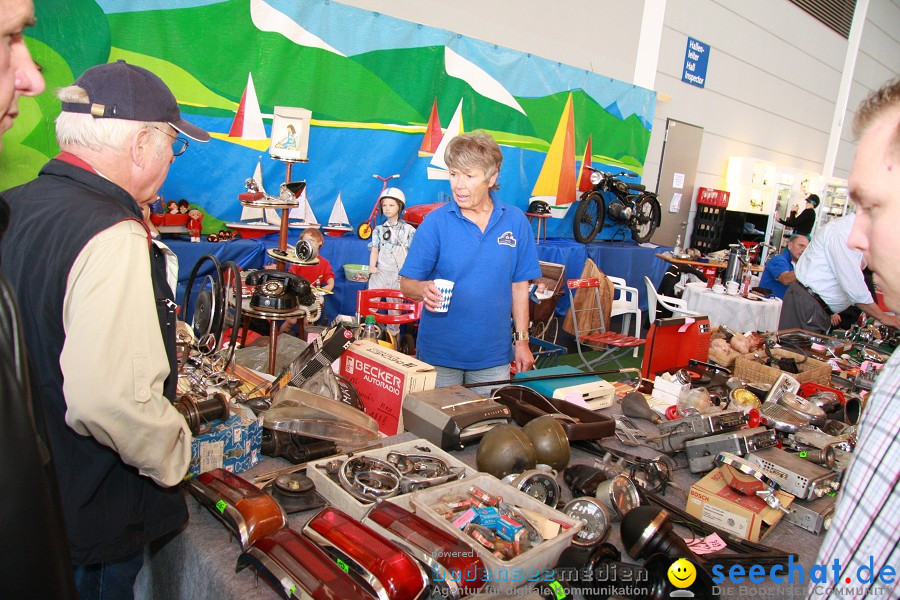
(378, 300)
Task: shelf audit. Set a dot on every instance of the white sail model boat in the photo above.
(303, 217)
(338, 223)
(438, 168)
(256, 221)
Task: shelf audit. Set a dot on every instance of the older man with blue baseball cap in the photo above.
(99, 319)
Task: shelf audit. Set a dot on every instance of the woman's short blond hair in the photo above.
(475, 150)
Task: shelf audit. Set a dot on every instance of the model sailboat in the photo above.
(256, 221)
(438, 168)
(555, 184)
(302, 217)
(338, 223)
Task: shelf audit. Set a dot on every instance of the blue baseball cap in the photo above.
(122, 91)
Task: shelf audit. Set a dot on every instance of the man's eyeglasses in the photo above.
(179, 144)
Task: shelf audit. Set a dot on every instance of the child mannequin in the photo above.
(319, 276)
(390, 245)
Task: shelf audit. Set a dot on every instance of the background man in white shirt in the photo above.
(829, 279)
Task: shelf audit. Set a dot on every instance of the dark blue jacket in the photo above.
(110, 510)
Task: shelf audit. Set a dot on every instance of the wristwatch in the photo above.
(520, 336)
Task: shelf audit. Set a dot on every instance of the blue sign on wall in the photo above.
(696, 58)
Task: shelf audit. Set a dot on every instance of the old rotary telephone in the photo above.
(279, 291)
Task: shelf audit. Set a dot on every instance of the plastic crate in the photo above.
(505, 575)
(339, 498)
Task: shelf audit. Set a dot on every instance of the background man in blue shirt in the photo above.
(779, 271)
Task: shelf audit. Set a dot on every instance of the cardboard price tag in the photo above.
(708, 545)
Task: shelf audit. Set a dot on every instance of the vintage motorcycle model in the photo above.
(630, 205)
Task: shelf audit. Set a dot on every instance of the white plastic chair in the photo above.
(625, 303)
(676, 305)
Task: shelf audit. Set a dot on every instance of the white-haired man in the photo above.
(99, 320)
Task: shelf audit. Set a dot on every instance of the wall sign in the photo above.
(696, 58)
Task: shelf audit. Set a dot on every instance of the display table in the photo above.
(199, 562)
(736, 312)
(699, 264)
(627, 260)
(248, 254)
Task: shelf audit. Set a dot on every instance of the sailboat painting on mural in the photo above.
(438, 168)
(584, 177)
(338, 223)
(433, 134)
(555, 184)
(248, 122)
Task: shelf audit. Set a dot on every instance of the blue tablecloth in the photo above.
(627, 260)
(619, 259)
(630, 262)
(249, 254)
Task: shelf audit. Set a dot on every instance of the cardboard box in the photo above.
(382, 378)
(233, 445)
(747, 517)
(666, 390)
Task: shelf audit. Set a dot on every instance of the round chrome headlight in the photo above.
(596, 177)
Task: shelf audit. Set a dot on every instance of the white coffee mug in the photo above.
(732, 287)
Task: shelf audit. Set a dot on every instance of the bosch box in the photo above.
(382, 378)
(233, 445)
(749, 517)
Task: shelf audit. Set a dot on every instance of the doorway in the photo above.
(675, 187)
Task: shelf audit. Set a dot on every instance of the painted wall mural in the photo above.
(385, 95)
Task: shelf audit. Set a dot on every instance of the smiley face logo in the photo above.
(682, 573)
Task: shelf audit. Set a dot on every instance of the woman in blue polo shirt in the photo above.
(486, 247)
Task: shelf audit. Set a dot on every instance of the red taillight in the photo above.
(287, 560)
(454, 564)
(390, 571)
(246, 510)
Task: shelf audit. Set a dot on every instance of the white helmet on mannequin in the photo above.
(396, 194)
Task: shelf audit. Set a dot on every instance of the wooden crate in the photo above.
(753, 369)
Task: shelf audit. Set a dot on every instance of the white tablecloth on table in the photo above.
(735, 312)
